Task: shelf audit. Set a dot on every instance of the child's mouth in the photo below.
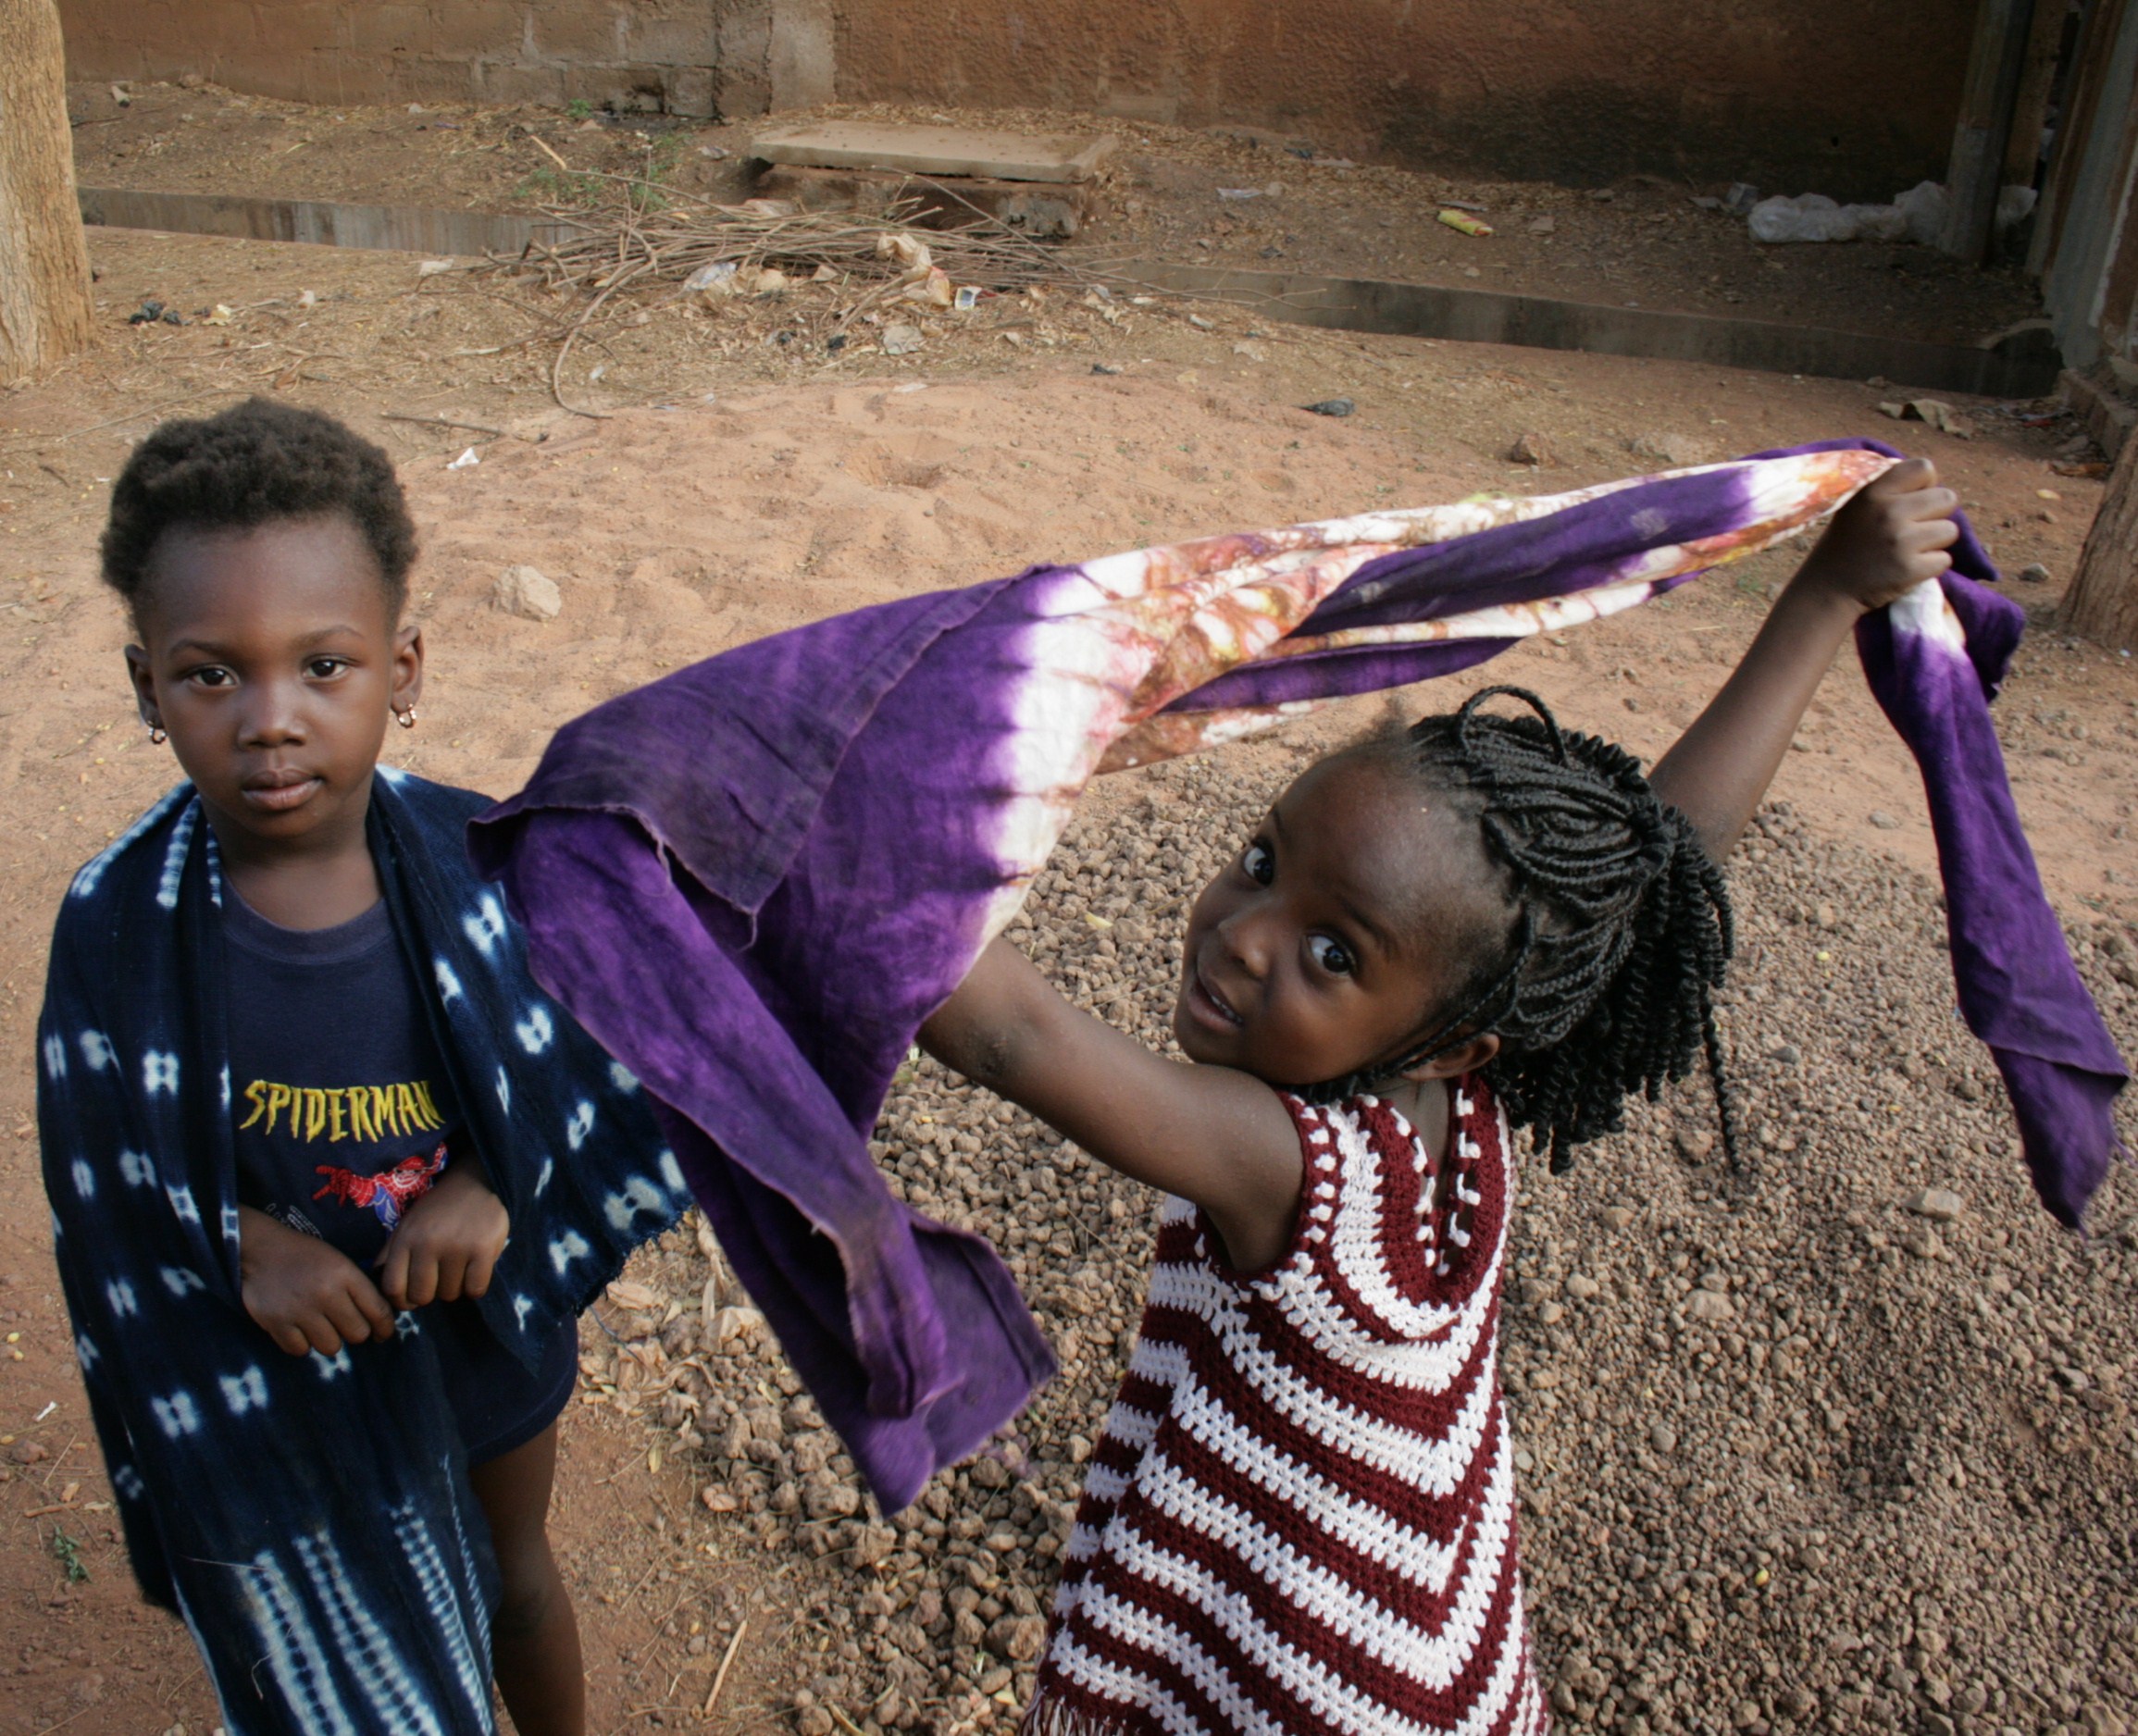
(1209, 1007)
(277, 792)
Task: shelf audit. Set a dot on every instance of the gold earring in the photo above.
(405, 719)
(159, 735)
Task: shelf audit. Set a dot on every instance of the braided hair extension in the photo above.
(1621, 934)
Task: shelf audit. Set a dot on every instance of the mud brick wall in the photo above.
(1832, 95)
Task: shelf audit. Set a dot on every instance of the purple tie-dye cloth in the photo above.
(1935, 660)
(754, 880)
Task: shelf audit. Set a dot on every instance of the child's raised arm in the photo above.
(1210, 1134)
(1889, 538)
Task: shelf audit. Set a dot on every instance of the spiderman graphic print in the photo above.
(388, 1192)
(340, 1115)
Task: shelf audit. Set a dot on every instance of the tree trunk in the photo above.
(2101, 604)
(45, 306)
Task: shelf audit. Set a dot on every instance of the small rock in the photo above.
(901, 340)
(1786, 1054)
(1939, 1205)
(1542, 225)
(2035, 574)
(1664, 1438)
(1826, 916)
(527, 591)
(1923, 1243)
(1018, 1638)
(1884, 820)
(875, 1544)
(1616, 1217)
(1711, 1305)
(1532, 449)
(1694, 1142)
(1678, 451)
(29, 1453)
(1331, 407)
(1583, 1288)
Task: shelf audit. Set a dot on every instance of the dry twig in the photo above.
(720, 1675)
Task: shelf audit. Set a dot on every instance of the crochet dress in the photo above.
(1301, 1516)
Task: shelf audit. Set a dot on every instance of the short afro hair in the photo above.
(255, 462)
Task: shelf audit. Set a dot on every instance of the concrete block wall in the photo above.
(659, 55)
(1798, 95)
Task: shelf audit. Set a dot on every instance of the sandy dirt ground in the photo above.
(740, 484)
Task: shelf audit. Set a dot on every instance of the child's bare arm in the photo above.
(1890, 537)
(1210, 1134)
(303, 1294)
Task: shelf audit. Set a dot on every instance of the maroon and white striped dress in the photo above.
(1300, 1517)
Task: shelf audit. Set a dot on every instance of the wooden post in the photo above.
(1983, 130)
(2031, 102)
(2101, 604)
(46, 310)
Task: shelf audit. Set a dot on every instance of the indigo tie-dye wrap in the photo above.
(754, 880)
(310, 1517)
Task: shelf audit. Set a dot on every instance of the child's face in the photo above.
(271, 661)
(1338, 936)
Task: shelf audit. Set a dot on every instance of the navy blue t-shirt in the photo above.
(343, 1117)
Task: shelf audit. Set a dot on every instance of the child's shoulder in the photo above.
(147, 846)
(444, 803)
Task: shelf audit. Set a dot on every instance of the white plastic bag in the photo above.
(1810, 217)
(1923, 205)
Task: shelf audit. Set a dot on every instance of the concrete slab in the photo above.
(467, 234)
(1543, 323)
(946, 151)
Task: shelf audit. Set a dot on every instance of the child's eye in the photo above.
(1262, 867)
(1333, 956)
(322, 668)
(211, 676)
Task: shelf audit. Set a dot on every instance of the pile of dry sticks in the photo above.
(764, 244)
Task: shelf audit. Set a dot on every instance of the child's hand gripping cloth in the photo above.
(754, 880)
(310, 1517)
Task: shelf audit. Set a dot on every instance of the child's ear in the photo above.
(407, 667)
(143, 679)
(1465, 1057)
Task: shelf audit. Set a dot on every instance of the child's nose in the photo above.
(273, 716)
(1246, 933)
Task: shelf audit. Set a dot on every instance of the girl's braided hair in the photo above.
(1623, 932)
